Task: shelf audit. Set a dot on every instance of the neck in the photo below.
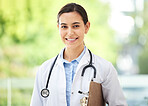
(73, 53)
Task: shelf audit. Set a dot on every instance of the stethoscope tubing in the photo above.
(88, 66)
(51, 71)
(45, 92)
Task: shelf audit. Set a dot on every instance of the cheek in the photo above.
(62, 34)
(82, 33)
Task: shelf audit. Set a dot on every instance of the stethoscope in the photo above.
(45, 92)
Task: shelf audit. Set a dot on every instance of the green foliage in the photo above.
(29, 33)
(3, 97)
(143, 61)
(143, 58)
(20, 97)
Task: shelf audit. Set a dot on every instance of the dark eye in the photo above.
(63, 26)
(75, 26)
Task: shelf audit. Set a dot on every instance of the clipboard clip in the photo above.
(84, 101)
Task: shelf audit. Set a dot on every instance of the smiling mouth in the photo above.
(71, 39)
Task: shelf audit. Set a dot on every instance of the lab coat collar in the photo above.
(59, 60)
(84, 60)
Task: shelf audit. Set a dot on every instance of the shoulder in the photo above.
(47, 62)
(101, 61)
(44, 67)
(104, 67)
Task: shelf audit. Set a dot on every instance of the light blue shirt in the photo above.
(70, 69)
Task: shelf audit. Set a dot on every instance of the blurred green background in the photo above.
(29, 36)
(29, 33)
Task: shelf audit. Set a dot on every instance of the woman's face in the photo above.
(72, 29)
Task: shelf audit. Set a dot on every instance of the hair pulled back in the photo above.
(73, 7)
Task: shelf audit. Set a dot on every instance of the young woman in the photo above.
(59, 80)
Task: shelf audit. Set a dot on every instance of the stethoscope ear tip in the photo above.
(80, 92)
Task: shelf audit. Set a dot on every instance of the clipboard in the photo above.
(95, 95)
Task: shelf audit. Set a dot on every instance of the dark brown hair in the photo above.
(72, 7)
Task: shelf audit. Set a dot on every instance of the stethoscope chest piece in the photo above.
(45, 93)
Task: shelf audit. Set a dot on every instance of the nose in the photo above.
(70, 31)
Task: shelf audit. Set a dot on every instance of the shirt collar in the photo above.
(77, 59)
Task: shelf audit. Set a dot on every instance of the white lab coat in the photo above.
(106, 75)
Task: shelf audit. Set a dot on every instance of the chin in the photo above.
(74, 46)
(71, 46)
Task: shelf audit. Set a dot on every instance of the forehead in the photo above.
(70, 17)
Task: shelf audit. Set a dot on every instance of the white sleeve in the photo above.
(112, 91)
(36, 99)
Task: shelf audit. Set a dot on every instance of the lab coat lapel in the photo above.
(84, 61)
(59, 60)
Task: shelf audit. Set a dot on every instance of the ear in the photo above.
(58, 26)
(87, 26)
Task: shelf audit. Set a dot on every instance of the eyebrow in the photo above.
(76, 23)
(72, 23)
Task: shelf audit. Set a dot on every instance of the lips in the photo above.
(71, 39)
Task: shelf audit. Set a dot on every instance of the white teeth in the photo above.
(70, 39)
